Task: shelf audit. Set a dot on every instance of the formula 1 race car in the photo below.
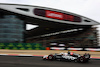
(70, 56)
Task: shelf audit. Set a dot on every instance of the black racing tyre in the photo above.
(50, 57)
(81, 59)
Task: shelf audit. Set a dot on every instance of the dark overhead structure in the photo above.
(53, 26)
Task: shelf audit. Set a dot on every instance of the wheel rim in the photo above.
(81, 59)
(50, 57)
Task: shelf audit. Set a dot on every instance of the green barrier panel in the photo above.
(37, 45)
(37, 48)
(29, 48)
(28, 45)
(2, 45)
(11, 45)
(22, 46)
(6, 48)
(19, 45)
(15, 48)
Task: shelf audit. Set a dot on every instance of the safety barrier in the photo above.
(37, 46)
(76, 48)
(22, 46)
(92, 49)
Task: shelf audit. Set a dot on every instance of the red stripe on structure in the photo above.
(96, 57)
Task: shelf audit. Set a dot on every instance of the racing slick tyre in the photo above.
(81, 59)
(50, 57)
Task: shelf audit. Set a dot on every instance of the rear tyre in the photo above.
(81, 59)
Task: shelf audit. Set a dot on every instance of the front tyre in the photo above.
(50, 57)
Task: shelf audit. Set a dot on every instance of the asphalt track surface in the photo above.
(11, 61)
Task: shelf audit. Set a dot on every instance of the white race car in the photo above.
(70, 56)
